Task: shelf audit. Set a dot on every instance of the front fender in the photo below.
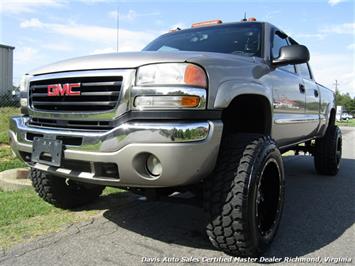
(230, 89)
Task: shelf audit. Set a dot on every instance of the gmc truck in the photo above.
(208, 109)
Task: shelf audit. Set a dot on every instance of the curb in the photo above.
(14, 179)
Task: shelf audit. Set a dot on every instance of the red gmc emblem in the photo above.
(65, 89)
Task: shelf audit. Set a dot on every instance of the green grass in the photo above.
(18, 206)
(349, 123)
(7, 161)
(5, 114)
(3, 137)
(23, 216)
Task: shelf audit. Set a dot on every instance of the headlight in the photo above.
(170, 86)
(23, 83)
(172, 74)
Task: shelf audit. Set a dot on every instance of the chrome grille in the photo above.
(96, 94)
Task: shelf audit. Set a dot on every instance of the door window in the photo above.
(303, 70)
(277, 43)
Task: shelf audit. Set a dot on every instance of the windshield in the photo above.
(241, 39)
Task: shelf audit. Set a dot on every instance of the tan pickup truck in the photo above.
(208, 109)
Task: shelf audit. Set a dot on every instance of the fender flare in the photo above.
(231, 89)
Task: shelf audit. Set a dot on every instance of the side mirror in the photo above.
(292, 54)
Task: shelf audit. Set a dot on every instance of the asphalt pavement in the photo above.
(317, 224)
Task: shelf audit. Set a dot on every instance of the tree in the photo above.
(346, 101)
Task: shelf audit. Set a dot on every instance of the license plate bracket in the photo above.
(47, 151)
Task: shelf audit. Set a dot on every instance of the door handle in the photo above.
(302, 88)
(316, 93)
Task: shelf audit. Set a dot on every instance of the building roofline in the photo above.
(7, 46)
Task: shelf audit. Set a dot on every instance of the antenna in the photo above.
(245, 17)
(117, 28)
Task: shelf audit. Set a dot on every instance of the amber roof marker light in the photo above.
(245, 19)
(206, 23)
(174, 30)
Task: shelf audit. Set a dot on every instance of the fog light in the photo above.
(154, 166)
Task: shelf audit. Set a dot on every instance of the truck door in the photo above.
(312, 99)
(288, 98)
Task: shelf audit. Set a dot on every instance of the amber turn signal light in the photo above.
(190, 101)
(195, 76)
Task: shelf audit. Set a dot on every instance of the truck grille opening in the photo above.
(106, 170)
(96, 94)
(80, 166)
(102, 170)
(73, 141)
(71, 124)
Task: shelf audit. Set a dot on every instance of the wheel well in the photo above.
(248, 114)
(332, 117)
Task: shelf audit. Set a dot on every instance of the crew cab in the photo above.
(208, 109)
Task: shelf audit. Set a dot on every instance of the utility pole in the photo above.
(336, 84)
(118, 27)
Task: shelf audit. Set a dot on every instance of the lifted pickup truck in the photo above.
(210, 109)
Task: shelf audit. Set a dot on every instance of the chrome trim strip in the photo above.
(75, 74)
(169, 90)
(283, 121)
(128, 76)
(113, 140)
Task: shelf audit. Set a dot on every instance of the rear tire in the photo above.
(328, 149)
(66, 195)
(244, 195)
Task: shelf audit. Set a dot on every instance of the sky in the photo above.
(46, 31)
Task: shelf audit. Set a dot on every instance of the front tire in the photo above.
(66, 195)
(328, 150)
(244, 195)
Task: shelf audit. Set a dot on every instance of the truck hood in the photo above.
(124, 60)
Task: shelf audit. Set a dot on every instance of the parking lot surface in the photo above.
(318, 221)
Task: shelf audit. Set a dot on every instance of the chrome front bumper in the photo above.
(186, 150)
